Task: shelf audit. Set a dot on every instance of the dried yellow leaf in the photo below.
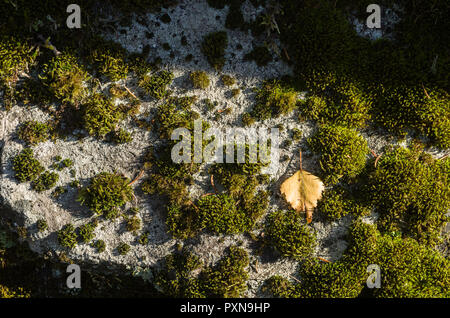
(302, 191)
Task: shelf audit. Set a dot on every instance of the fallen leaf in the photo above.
(302, 191)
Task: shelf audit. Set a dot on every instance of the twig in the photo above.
(425, 91)
(212, 183)
(192, 203)
(323, 260)
(137, 178)
(130, 92)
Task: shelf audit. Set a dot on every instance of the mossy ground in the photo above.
(352, 83)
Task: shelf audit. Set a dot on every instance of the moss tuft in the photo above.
(342, 152)
(45, 181)
(200, 79)
(26, 167)
(274, 99)
(287, 233)
(67, 237)
(213, 47)
(106, 192)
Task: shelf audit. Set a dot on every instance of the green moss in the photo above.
(67, 237)
(45, 181)
(336, 101)
(200, 79)
(408, 269)
(228, 279)
(402, 108)
(42, 225)
(296, 134)
(144, 238)
(121, 136)
(260, 55)
(123, 248)
(156, 84)
(287, 233)
(220, 214)
(100, 116)
(247, 119)
(337, 203)
(410, 191)
(59, 191)
(176, 279)
(213, 47)
(86, 232)
(15, 58)
(65, 79)
(274, 99)
(26, 167)
(183, 102)
(228, 80)
(235, 92)
(278, 286)
(342, 152)
(33, 132)
(106, 192)
(100, 245)
(133, 224)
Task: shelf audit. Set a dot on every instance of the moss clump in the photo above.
(100, 116)
(410, 191)
(213, 47)
(26, 167)
(34, 132)
(100, 245)
(42, 225)
(287, 233)
(111, 64)
(67, 237)
(176, 278)
(337, 203)
(274, 99)
(426, 110)
(167, 178)
(260, 55)
(106, 192)
(15, 57)
(247, 119)
(133, 224)
(45, 181)
(220, 214)
(86, 231)
(408, 269)
(123, 248)
(156, 85)
(342, 152)
(336, 101)
(228, 279)
(296, 134)
(235, 92)
(65, 79)
(199, 79)
(121, 136)
(228, 80)
(67, 163)
(183, 102)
